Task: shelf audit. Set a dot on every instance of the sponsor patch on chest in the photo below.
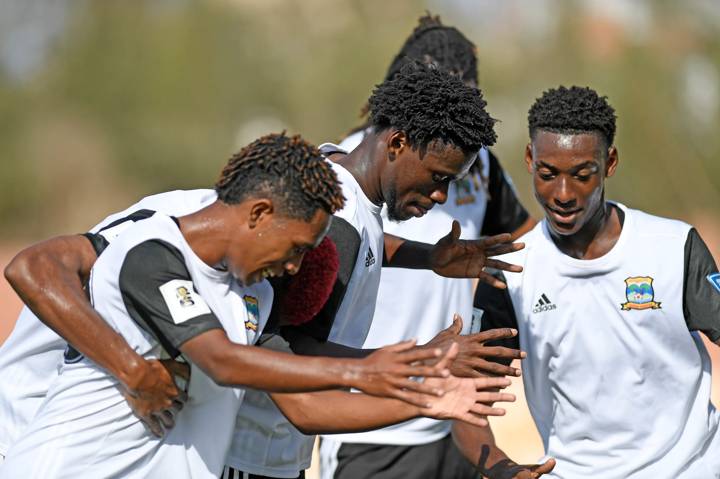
(714, 280)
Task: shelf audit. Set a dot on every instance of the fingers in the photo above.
(489, 367)
(493, 334)
(418, 354)
(457, 324)
(166, 418)
(491, 383)
(473, 419)
(497, 239)
(419, 387)
(177, 368)
(544, 468)
(491, 280)
(416, 399)
(493, 397)
(503, 248)
(450, 355)
(502, 265)
(400, 347)
(422, 371)
(485, 410)
(153, 424)
(455, 230)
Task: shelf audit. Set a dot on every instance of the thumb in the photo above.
(455, 231)
(456, 325)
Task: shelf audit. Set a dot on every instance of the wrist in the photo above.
(353, 372)
(132, 373)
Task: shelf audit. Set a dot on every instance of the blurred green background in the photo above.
(104, 102)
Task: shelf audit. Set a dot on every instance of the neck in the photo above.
(205, 233)
(365, 169)
(595, 239)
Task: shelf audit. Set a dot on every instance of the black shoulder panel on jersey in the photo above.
(134, 216)
(146, 268)
(347, 241)
(504, 213)
(701, 298)
(498, 312)
(98, 242)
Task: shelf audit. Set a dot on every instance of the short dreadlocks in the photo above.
(440, 45)
(429, 104)
(573, 110)
(288, 170)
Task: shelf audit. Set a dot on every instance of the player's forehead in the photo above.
(568, 149)
(446, 158)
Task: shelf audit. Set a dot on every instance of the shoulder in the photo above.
(646, 225)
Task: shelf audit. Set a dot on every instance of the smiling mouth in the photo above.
(563, 216)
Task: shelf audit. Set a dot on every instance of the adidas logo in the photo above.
(544, 304)
(369, 258)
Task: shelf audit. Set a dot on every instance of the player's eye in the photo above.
(438, 178)
(545, 175)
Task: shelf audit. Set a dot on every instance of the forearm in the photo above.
(336, 412)
(48, 278)
(402, 253)
(478, 445)
(231, 364)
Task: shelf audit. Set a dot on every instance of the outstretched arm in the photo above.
(477, 444)
(386, 372)
(49, 278)
(332, 412)
(453, 257)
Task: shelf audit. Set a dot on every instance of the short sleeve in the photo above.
(160, 295)
(504, 213)
(701, 289)
(496, 311)
(347, 242)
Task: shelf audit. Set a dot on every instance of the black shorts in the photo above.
(440, 460)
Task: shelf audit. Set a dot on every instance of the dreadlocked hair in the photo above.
(430, 104)
(435, 44)
(573, 110)
(440, 45)
(287, 169)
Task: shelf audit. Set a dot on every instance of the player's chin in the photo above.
(564, 228)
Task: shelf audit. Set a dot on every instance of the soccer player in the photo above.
(610, 308)
(419, 304)
(194, 287)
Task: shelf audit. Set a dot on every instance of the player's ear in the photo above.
(529, 157)
(396, 142)
(261, 210)
(612, 161)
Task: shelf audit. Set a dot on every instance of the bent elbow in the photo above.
(16, 272)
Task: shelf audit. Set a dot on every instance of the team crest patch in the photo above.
(253, 312)
(714, 280)
(464, 190)
(640, 294)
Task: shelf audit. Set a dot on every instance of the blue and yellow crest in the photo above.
(640, 294)
(253, 312)
(465, 189)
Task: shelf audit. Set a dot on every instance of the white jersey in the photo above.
(617, 385)
(31, 355)
(85, 427)
(266, 443)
